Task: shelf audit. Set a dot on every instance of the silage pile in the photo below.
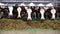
(17, 24)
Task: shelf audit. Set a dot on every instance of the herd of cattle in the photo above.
(31, 11)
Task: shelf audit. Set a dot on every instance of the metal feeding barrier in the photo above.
(12, 2)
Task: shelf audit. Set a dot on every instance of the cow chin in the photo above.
(29, 19)
(10, 16)
(42, 18)
(19, 17)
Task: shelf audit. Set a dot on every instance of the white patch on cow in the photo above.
(46, 8)
(41, 4)
(53, 11)
(29, 14)
(26, 8)
(31, 4)
(19, 11)
(22, 4)
(48, 5)
(42, 13)
(10, 10)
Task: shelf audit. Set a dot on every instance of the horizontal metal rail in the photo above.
(25, 1)
(29, 1)
(14, 2)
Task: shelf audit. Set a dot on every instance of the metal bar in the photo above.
(30, 1)
(25, 1)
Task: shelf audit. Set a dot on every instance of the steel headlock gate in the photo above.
(30, 10)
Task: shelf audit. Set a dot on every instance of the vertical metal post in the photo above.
(7, 3)
(56, 2)
(31, 1)
(16, 1)
(23, 1)
(53, 2)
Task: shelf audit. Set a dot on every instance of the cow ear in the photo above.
(26, 8)
(46, 8)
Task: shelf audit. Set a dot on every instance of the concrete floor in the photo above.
(9, 32)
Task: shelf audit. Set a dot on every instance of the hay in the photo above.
(17, 24)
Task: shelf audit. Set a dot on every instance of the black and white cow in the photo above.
(30, 10)
(42, 11)
(50, 11)
(37, 11)
(47, 13)
(57, 12)
(10, 11)
(19, 12)
(22, 11)
(5, 12)
(1, 12)
(53, 12)
(13, 13)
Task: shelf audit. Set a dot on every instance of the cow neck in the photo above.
(23, 9)
(33, 9)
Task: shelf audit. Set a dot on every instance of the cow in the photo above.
(30, 10)
(50, 11)
(1, 12)
(42, 11)
(57, 12)
(47, 13)
(10, 11)
(13, 13)
(37, 10)
(53, 12)
(22, 11)
(19, 12)
(33, 14)
(5, 12)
